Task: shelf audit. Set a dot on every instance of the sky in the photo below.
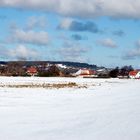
(101, 32)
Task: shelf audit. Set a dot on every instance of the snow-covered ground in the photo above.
(108, 109)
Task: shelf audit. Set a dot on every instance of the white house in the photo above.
(85, 73)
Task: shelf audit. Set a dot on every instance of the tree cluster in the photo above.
(124, 71)
(52, 71)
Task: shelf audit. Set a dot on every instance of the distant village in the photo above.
(49, 69)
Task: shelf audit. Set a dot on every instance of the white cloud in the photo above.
(73, 52)
(132, 54)
(81, 8)
(107, 43)
(36, 22)
(65, 23)
(23, 53)
(20, 52)
(29, 37)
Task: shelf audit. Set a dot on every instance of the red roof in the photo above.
(133, 73)
(32, 70)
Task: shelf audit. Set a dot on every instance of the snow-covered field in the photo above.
(108, 109)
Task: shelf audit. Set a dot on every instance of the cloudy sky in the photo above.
(102, 32)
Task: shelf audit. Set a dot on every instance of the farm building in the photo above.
(32, 71)
(134, 74)
(85, 73)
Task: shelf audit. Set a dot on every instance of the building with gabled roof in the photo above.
(134, 74)
(85, 73)
(32, 71)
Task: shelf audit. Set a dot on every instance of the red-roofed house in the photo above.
(32, 71)
(134, 74)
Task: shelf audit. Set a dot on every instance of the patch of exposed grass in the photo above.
(44, 85)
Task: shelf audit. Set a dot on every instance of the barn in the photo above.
(134, 74)
(32, 71)
(85, 73)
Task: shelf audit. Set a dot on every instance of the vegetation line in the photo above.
(45, 85)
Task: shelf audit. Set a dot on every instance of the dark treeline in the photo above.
(124, 71)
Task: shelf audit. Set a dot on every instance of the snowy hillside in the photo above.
(107, 109)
